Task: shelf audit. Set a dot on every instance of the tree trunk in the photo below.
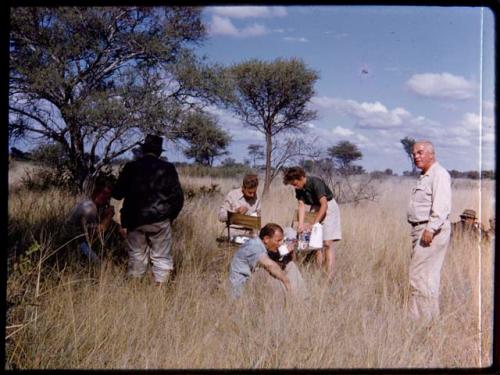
(267, 178)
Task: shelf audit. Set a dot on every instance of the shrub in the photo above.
(47, 178)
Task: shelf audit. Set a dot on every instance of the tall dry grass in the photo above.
(77, 316)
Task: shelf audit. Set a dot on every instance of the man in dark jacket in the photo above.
(153, 199)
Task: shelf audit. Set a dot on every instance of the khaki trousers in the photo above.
(425, 272)
(151, 242)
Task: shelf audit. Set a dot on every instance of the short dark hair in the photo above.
(250, 181)
(292, 174)
(269, 229)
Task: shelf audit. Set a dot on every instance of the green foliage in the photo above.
(191, 192)
(25, 263)
(256, 153)
(408, 143)
(50, 155)
(236, 170)
(42, 179)
(344, 153)
(272, 98)
(93, 79)
(206, 140)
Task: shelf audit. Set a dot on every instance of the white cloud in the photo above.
(234, 126)
(224, 26)
(472, 121)
(444, 85)
(343, 132)
(367, 115)
(295, 39)
(249, 11)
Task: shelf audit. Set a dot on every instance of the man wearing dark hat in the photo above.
(153, 198)
(467, 226)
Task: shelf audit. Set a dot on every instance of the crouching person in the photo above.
(254, 261)
(92, 220)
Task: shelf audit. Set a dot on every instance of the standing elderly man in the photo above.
(428, 212)
(153, 198)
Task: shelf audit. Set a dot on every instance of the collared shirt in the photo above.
(431, 198)
(235, 199)
(244, 262)
(313, 190)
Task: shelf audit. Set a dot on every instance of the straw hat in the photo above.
(468, 214)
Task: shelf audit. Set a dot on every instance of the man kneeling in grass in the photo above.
(93, 217)
(256, 257)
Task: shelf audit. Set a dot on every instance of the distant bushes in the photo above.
(44, 178)
(223, 171)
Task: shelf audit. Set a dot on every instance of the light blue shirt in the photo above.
(243, 264)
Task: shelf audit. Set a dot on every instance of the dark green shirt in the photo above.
(313, 190)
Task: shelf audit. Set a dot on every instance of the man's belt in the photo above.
(414, 224)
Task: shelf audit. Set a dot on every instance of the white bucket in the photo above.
(316, 241)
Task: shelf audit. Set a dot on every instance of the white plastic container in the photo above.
(283, 249)
(316, 241)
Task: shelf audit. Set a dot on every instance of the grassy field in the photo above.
(70, 315)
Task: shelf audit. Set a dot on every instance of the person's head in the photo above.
(152, 145)
(249, 186)
(272, 236)
(423, 155)
(468, 216)
(101, 194)
(295, 176)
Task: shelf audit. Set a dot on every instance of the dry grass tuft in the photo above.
(70, 315)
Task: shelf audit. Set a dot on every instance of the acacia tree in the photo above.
(344, 153)
(272, 98)
(94, 80)
(408, 143)
(206, 140)
(256, 153)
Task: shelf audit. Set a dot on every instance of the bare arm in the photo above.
(322, 210)
(302, 210)
(275, 270)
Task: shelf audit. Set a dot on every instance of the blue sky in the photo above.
(385, 73)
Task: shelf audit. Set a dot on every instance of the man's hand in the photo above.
(426, 238)
(241, 210)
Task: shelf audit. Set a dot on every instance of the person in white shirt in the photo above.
(242, 200)
(428, 213)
